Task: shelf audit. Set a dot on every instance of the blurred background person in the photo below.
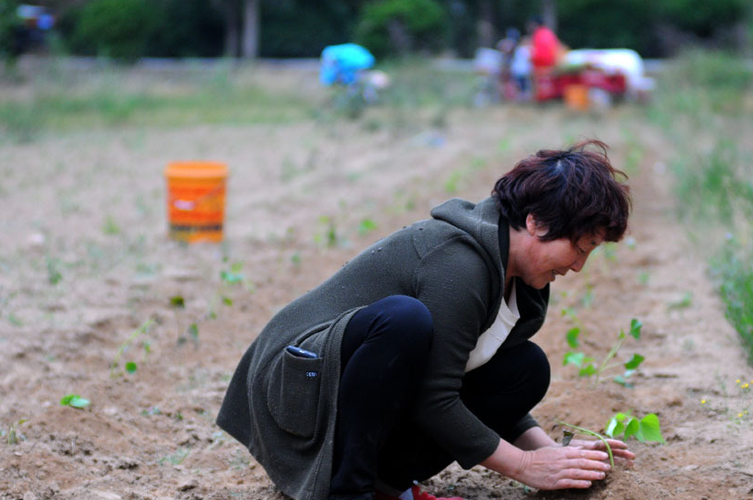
(521, 68)
(544, 49)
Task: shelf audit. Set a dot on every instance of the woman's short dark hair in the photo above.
(573, 193)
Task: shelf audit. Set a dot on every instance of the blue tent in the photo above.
(341, 63)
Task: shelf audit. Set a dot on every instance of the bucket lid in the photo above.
(196, 169)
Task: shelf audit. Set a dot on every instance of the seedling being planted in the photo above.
(626, 426)
(581, 430)
(589, 366)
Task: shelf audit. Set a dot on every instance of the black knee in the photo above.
(408, 322)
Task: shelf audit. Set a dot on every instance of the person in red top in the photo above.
(544, 48)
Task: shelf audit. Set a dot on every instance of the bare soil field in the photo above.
(84, 261)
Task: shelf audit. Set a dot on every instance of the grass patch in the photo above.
(110, 97)
(701, 105)
(732, 270)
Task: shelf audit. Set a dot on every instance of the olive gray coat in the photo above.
(283, 407)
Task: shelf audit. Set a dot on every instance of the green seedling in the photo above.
(588, 297)
(53, 273)
(178, 303)
(644, 277)
(327, 233)
(12, 435)
(569, 436)
(366, 226)
(590, 367)
(110, 227)
(74, 401)
(572, 315)
(131, 366)
(233, 276)
(229, 278)
(295, 259)
(175, 458)
(683, 303)
(645, 430)
(452, 184)
(191, 333)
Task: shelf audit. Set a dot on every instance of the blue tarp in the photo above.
(341, 63)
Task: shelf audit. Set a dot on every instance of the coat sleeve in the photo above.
(453, 281)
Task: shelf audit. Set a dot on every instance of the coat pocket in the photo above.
(293, 393)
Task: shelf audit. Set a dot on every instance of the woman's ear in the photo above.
(533, 228)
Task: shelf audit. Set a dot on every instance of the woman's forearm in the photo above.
(507, 459)
(533, 439)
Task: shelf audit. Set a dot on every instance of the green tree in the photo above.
(10, 24)
(402, 26)
(115, 28)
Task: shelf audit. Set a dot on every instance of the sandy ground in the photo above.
(84, 261)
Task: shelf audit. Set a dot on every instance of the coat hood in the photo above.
(481, 221)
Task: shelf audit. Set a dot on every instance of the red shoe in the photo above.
(417, 495)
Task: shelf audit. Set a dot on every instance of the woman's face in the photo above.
(548, 259)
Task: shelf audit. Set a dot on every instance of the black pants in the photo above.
(384, 353)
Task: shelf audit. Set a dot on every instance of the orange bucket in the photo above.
(576, 97)
(196, 200)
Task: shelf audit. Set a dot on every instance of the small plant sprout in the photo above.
(130, 366)
(12, 435)
(645, 430)
(74, 401)
(327, 234)
(53, 271)
(178, 303)
(682, 303)
(590, 367)
(588, 297)
(229, 278)
(366, 226)
(581, 430)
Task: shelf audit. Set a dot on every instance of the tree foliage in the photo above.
(401, 26)
(302, 28)
(9, 26)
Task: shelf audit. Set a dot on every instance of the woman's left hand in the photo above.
(619, 449)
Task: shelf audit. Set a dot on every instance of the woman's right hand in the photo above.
(554, 468)
(550, 467)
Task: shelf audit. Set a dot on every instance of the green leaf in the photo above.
(131, 367)
(572, 337)
(635, 328)
(633, 428)
(178, 301)
(231, 278)
(614, 427)
(193, 331)
(573, 358)
(651, 429)
(366, 226)
(587, 371)
(227, 301)
(75, 401)
(236, 267)
(634, 362)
